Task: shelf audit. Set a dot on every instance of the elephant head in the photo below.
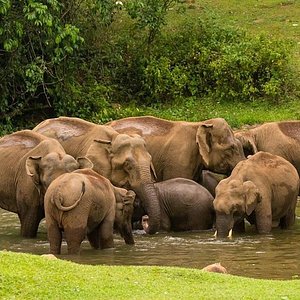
(247, 140)
(234, 200)
(44, 169)
(218, 147)
(125, 161)
(124, 211)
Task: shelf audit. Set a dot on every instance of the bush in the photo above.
(205, 58)
(82, 58)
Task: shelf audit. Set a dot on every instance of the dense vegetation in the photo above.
(101, 60)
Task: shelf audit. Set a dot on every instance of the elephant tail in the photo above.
(57, 202)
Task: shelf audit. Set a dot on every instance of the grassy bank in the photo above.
(25, 276)
(237, 114)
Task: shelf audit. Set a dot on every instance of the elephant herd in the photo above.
(89, 180)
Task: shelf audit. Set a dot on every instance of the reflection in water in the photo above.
(273, 256)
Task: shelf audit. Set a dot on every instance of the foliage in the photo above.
(25, 276)
(84, 58)
(206, 58)
(150, 14)
(36, 44)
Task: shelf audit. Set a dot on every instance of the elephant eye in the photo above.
(128, 165)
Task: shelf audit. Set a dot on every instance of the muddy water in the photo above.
(273, 256)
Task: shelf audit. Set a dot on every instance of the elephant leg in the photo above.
(55, 238)
(264, 220)
(74, 238)
(93, 238)
(30, 218)
(106, 234)
(288, 220)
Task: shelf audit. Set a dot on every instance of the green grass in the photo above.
(278, 18)
(237, 114)
(25, 276)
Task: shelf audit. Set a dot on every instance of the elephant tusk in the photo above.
(216, 233)
(230, 234)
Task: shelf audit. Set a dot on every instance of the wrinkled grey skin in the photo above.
(263, 189)
(26, 153)
(184, 205)
(279, 138)
(121, 158)
(85, 203)
(210, 181)
(183, 149)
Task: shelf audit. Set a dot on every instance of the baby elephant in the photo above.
(86, 203)
(184, 205)
(263, 189)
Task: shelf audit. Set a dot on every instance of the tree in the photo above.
(36, 44)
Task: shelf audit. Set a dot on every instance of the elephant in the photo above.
(279, 138)
(84, 203)
(26, 153)
(121, 158)
(210, 181)
(263, 189)
(183, 149)
(216, 268)
(184, 205)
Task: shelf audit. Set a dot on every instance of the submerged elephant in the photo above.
(279, 138)
(184, 205)
(121, 158)
(182, 149)
(84, 203)
(26, 153)
(263, 189)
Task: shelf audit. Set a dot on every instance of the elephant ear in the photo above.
(32, 169)
(252, 196)
(153, 171)
(84, 163)
(247, 142)
(204, 140)
(129, 199)
(99, 154)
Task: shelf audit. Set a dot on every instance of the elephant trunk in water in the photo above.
(141, 182)
(149, 198)
(224, 225)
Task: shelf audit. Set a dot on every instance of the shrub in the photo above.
(205, 58)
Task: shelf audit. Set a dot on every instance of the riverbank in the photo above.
(25, 276)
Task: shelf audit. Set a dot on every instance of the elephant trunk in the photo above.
(224, 225)
(126, 233)
(148, 195)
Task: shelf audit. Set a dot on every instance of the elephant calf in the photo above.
(263, 189)
(86, 203)
(184, 205)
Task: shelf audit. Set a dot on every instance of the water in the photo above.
(273, 256)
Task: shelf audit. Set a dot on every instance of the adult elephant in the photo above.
(184, 205)
(121, 158)
(26, 153)
(279, 138)
(263, 189)
(182, 149)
